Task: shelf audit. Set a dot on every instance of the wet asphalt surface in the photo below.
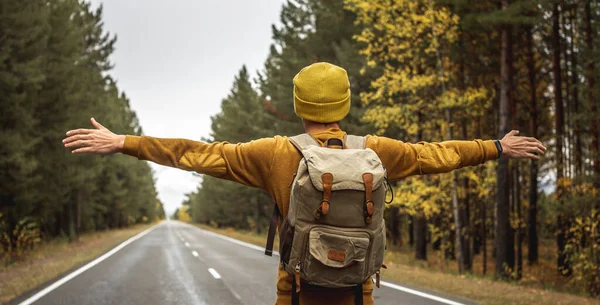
(180, 264)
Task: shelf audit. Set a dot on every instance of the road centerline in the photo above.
(214, 273)
(383, 283)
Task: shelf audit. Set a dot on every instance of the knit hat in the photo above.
(322, 93)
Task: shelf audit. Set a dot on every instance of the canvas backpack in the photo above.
(334, 234)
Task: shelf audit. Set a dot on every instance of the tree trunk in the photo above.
(502, 202)
(512, 166)
(437, 223)
(566, 97)
(558, 100)
(420, 220)
(411, 230)
(517, 203)
(533, 166)
(478, 220)
(462, 244)
(559, 126)
(420, 236)
(578, 149)
(464, 212)
(483, 235)
(395, 215)
(589, 41)
(476, 229)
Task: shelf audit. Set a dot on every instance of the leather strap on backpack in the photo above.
(295, 294)
(369, 208)
(358, 295)
(272, 229)
(323, 209)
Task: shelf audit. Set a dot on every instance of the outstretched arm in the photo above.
(407, 159)
(247, 163)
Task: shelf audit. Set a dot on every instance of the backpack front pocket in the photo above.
(336, 257)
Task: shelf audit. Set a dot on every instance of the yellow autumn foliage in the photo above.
(183, 214)
(409, 41)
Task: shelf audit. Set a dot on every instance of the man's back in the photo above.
(271, 164)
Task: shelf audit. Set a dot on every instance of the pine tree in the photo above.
(24, 34)
(241, 119)
(53, 76)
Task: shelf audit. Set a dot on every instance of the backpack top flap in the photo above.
(346, 165)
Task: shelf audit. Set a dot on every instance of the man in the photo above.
(322, 100)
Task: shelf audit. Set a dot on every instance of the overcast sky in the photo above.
(176, 61)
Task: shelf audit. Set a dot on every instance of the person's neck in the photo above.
(317, 127)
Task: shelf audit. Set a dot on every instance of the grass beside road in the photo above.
(52, 259)
(402, 268)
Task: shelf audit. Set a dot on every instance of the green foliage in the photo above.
(583, 248)
(15, 242)
(225, 203)
(53, 76)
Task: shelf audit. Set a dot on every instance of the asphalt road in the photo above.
(177, 263)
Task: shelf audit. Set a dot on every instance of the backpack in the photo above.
(334, 234)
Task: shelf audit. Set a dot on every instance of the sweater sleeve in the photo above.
(405, 159)
(247, 163)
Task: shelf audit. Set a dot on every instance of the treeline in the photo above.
(54, 64)
(440, 70)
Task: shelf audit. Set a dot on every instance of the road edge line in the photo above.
(85, 267)
(420, 293)
(230, 239)
(383, 283)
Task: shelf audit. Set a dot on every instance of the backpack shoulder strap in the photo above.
(272, 228)
(302, 141)
(355, 142)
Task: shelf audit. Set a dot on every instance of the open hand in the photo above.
(94, 141)
(516, 147)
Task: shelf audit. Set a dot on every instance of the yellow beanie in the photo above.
(322, 93)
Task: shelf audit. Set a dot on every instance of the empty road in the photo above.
(175, 263)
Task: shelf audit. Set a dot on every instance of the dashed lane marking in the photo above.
(387, 284)
(214, 273)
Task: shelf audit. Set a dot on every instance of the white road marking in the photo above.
(421, 294)
(89, 265)
(187, 244)
(387, 284)
(214, 273)
(233, 240)
(195, 253)
(237, 296)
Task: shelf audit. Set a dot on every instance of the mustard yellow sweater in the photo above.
(270, 164)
